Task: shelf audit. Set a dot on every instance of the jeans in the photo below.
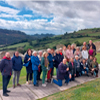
(35, 77)
(5, 80)
(83, 72)
(16, 73)
(29, 75)
(59, 82)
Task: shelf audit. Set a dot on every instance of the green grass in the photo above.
(87, 91)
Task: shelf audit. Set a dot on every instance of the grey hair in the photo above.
(34, 52)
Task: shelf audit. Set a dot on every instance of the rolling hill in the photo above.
(50, 42)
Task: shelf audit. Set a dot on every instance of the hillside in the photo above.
(50, 42)
(13, 36)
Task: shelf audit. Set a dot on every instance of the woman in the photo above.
(78, 53)
(84, 53)
(64, 51)
(72, 68)
(35, 64)
(27, 60)
(94, 67)
(44, 64)
(91, 52)
(69, 53)
(17, 66)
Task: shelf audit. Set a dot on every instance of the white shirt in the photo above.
(85, 54)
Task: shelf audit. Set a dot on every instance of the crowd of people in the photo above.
(69, 62)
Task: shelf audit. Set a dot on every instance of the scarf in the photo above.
(46, 62)
(6, 58)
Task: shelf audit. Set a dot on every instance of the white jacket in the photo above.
(84, 54)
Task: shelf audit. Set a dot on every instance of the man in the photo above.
(84, 45)
(40, 69)
(17, 66)
(91, 44)
(62, 73)
(73, 48)
(6, 70)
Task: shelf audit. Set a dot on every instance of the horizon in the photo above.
(56, 17)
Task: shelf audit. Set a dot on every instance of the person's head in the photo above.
(91, 47)
(83, 61)
(52, 51)
(45, 54)
(64, 48)
(91, 58)
(94, 59)
(84, 48)
(76, 57)
(49, 50)
(40, 52)
(64, 61)
(60, 49)
(77, 49)
(84, 43)
(71, 60)
(35, 53)
(16, 53)
(69, 47)
(57, 51)
(7, 54)
(72, 46)
(90, 42)
(29, 52)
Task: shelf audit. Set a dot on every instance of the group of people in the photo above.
(68, 61)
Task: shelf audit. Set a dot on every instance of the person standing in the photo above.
(35, 65)
(39, 69)
(44, 64)
(51, 60)
(6, 70)
(27, 60)
(17, 66)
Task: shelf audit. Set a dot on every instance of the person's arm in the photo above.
(2, 64)
(26, 59)
(87, 55)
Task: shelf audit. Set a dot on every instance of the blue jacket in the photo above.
(17, 63)
(61, 73)
(35, 62)
(6, 66)
(50, 58)
(58, 60)
(29, 68)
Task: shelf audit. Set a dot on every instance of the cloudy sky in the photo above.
(55, 17)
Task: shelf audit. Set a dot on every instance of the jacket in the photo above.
(17, 63)
(77, 65)
(82, 66)
(6, 66)
(62, 71)
(35, 62)
(72, 69)
(50, 58)
(29, 67)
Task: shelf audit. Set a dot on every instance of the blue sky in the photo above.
(55, 17)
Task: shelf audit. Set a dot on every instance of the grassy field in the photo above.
(87, 91)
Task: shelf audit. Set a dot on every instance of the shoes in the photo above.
(18, 85)
(30, 82)
(49, 81)
(5, 94)
(39, 79)
(87, 75)
(36, 85)
(44, 85)
(8, 91)
(27, 83)
(13, 86)
(96, 75)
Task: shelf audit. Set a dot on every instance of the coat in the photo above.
(50, 58)
(82, 67)
(93, 46)
(72, 69)
(69, 54)
(94, 65)
(17, 63)
(29, 67)
(6, 66)
(62, 71)
(43, 64)
(58, 60)
(35, 62)
(78, 67)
